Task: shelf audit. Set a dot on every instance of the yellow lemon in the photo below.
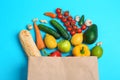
(50, 41)
(77, 39)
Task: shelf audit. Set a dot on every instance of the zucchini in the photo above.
(49, 31)
(60, 29)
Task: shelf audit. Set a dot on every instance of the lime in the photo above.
(97, 51)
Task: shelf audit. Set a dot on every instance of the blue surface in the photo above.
(16, 14)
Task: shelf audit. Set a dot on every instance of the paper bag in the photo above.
(62, 68)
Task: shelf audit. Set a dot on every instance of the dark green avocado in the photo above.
(91, 34)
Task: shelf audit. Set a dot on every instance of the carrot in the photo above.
(50, 14)
(39, 41)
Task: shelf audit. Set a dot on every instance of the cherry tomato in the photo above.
(66, 13)
(55, 54)
(72, 32)
(64, 19)
(73, 22)
(83, 27)
(74, 27)
(79, 30)
(67, 24)
(58, 10)
(60, 16)
(69, 18)
(69, 28)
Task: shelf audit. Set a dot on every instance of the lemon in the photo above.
(77, 39)
(50, 41)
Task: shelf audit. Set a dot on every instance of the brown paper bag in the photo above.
(63, 68)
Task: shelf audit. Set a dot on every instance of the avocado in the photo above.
(91, 34)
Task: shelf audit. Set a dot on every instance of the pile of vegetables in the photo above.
(72, 35)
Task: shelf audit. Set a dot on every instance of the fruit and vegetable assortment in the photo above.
(67, 34)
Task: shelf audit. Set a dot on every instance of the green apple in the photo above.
(64, 46)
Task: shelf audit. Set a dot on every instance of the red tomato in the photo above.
(67, 24)
(83, 27)
(69, 28)
(66, 13)
(72, 32)
(79, 30)
(64, 19)
(55, 54)
(73, 22)
(69, 18)
(58, 10)
(60, 16)
(74, 27)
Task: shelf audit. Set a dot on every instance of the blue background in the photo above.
(16, 14)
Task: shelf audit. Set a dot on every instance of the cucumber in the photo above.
(49, 31)
(60, 29)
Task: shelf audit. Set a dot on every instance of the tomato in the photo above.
(69, 18)
(72, 32)
(72, 22)
(83, 27)
(79, 30)
(60, 16)
(55, 54)
(67, 24)
(74, 27)
(66, 13)
(64, 19)
(69, 28)
(58, 10)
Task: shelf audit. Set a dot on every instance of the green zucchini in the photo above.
(60, 29)
(49, 31)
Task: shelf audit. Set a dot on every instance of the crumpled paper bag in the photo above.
(63, 68)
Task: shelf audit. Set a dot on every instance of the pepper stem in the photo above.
(82, 50)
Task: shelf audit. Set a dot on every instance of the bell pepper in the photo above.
(81, 50)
